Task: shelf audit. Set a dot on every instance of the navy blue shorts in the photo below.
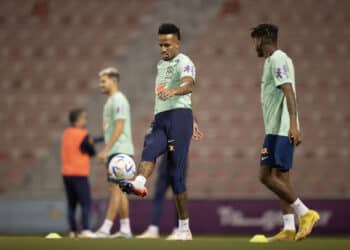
(277, 152)
(171, 132)
(110, 178)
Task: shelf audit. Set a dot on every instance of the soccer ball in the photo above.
(122, 167)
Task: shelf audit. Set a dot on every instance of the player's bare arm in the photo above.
(118, 130)
(186, 87)
(293, 134)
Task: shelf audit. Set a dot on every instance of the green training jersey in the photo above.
(169, 74)
(278, 70)
(117, 108)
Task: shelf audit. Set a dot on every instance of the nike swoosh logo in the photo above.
(128, 169)
(170, 141)
(264, 158)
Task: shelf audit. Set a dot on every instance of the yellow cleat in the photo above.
(306, 223)
(284, 235)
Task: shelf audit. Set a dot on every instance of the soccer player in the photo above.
(162, 185)
(282, 132)
(76, 149)
(173, 123)
(118, 138)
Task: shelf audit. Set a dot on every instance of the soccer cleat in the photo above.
(306, 223)
(125, 186)
(100, 234)
(121, 234)
(72, 235)
(173, 234)
(284, 235)
(181, 235)
(129, 188)
(148, 234)
(87, 234)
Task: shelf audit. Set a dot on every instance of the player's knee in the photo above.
(179, 186)
(114, 189)
(159, 193)
(265, 179)
(148, 155)
(111, 187)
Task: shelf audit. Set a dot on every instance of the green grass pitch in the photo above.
(200, 243)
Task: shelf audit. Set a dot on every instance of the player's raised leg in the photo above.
(162, 184)
(155, 144)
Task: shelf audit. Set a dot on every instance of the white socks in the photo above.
(139, 182)
(288, 222)
(299, 207)
(153, 229)
(106, 226)
(288, 219)
(184, 225)
(125, 225)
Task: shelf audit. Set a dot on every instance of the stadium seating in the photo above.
(51, 53)
(52, 50)
(229, 101)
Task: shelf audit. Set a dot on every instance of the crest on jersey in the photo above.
(169, 72)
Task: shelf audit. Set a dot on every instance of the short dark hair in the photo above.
(169, 28)
(74, 115)
(269, 31)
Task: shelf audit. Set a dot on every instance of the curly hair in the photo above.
(269, 31)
